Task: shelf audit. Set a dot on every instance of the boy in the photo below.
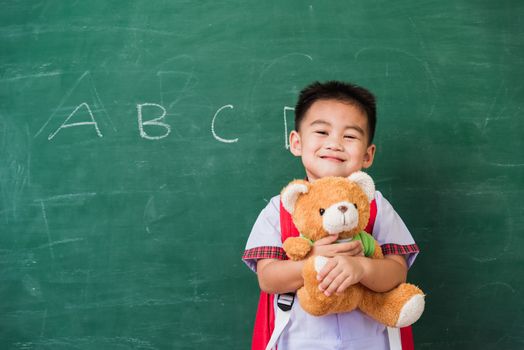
(334, 129)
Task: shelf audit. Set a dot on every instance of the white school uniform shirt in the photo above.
(344, 331)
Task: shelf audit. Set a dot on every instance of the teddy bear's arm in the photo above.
(297, 248)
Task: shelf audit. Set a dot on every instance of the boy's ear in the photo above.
(369, 156)
(365, 182)
(295, 144)
(291, 192)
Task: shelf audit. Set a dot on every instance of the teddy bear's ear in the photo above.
(365, 182)
(291, 193)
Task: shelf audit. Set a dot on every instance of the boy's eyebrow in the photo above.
(320, 121)
(357, 129)
(354, 127)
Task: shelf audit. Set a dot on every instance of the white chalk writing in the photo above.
(156, 121)
(65, 125)
(213, 126)
(286, 132)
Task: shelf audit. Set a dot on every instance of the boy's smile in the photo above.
(332, 140)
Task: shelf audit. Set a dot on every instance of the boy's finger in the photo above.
(327, 240)
(357, 250)
(348, 245)
(330, 276)
(336, 281)
(330, 265)
(351, 248)
(345, 284)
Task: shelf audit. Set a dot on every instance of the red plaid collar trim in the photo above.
(398, 249)
(265, 253)
(280, 254)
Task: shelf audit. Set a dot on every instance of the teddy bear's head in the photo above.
(331, 205)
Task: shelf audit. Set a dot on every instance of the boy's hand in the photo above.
(339, 273)
(325, 247)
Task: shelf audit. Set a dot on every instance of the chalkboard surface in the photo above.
(140, 139)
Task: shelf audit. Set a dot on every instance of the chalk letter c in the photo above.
(213, 126)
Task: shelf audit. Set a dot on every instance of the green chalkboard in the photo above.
(140, 139)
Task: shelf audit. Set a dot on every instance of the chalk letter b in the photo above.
(156, 121)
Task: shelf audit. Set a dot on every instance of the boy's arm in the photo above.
(279, 276)
(380, 275)
(283, 276)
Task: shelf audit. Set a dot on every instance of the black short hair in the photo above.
(341, 91)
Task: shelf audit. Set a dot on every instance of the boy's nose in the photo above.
(334, 146)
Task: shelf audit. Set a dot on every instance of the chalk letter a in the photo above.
(65, 125)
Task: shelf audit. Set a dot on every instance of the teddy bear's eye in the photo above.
(355, 204)
(321, 211)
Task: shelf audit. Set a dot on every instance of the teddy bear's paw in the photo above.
(296, 248)
(320, 262)
(411, 311)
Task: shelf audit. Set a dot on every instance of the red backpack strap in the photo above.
(287, 227)
(372, 217)
(264, 322)
(406, 338)
(265, 317)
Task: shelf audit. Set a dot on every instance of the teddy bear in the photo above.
(338, 205)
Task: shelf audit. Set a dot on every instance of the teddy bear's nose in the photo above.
(343, 208)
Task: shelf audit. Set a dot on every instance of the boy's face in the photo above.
(332, 140)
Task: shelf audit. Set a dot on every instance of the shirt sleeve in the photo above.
(391, 233)
(265, 241)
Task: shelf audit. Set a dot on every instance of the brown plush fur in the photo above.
(325, 192)
(383, 307)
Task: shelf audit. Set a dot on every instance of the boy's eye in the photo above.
(351, 137)
(321, 132)
(321, 211)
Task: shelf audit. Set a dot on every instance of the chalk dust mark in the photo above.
(99, 100)
(188, 77)
(31, 76)
(68, 196)
(498, 284)
(30, 30)
(96, 98)
(423, 63)
(44, 216)
(492, 107)
(506, 165)
(28, 168)
(272, 64)
(149, 213)
(69, 240)
(44, 320)
(281, 58)
(421, 41)
(77, 82)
